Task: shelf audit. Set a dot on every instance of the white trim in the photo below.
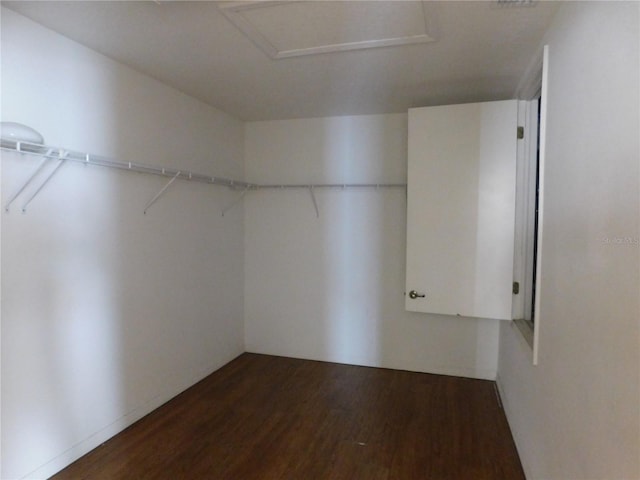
(517, 307)
(541, 175)
(525, 219)
(462, 371)
(533, 86)
(233, 12)
(69, 456)
(531, 155)
(529, 85)
(508, 412)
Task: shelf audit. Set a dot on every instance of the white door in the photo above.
(461, 208)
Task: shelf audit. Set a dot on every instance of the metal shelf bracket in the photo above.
(161, 192)
(62, 155)
(65, 156)
(28, 182)
(313, 199)
(236, 201)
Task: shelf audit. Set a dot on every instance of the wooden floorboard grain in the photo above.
(265, 417)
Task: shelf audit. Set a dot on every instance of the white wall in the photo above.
(577, 414)
(331, 288)
(107, 313)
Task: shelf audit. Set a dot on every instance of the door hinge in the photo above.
(520, 133)
(516, 288)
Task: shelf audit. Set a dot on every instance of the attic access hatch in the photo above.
(283, 29)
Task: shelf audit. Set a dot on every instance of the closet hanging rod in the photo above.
(54, 153)
(327, 185)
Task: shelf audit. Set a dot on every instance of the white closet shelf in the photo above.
(57, 153)
(328, 185)
(63, 155)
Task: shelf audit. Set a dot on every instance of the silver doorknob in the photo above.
(413, 294)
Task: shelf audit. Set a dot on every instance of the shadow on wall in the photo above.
(106, 312)
(353, 253)
(332, 288)
(363, 256)
(62, 374)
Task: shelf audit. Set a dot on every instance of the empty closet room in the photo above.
(320, 240)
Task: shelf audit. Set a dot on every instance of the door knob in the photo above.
(413, 294)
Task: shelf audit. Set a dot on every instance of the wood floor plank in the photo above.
(265, 417)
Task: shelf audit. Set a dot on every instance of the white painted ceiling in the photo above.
(480, 52)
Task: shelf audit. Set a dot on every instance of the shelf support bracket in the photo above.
(313, 199)
(161, 192)
(62, 156)
(29, 180)
(236, 201)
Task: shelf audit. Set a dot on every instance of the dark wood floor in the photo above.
(264, 417)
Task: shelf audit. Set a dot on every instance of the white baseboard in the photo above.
(508, 413)
(450, 370)
(66, 458)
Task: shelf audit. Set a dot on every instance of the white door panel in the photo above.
(461, 207)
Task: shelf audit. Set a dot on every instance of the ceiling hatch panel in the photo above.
(291, 29)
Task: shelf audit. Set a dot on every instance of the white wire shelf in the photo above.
(56, 153)
(63, 155)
